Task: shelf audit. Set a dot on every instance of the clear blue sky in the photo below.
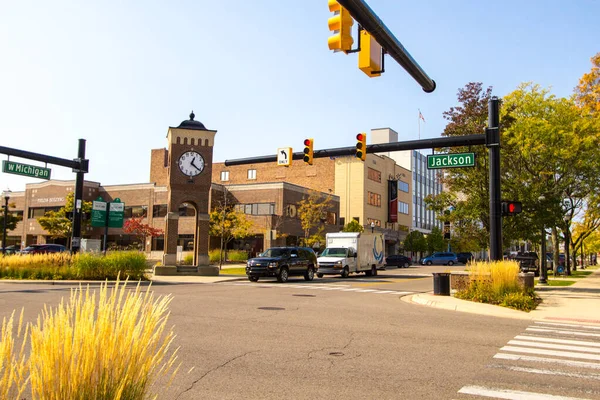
(119, 73)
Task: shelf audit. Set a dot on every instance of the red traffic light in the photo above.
(360, 137)
(307, 142)
(511, 207)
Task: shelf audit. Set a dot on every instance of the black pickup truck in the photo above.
(528, 262)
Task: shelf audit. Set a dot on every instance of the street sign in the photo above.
(99, 213)
(284, 156)
(454, 160)
(33, 171)
(116, 211)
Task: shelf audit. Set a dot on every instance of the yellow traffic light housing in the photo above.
(341, 25)
(308, 151)
(370, 56)
(361, 146)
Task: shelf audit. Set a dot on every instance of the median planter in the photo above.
(459, 280)
(526, 280)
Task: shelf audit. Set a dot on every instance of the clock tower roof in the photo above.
(192, 124)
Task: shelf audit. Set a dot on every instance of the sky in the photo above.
(119, 73)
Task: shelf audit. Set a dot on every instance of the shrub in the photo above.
(188, 259)
(213, 255)
(237, 255)
(521, 301)
(110, 347)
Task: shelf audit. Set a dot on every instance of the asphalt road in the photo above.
(335, 339)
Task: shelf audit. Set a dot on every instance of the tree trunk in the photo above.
(555, 257)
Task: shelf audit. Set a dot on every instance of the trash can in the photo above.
(441, 283)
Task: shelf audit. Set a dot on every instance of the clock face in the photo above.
(191, 163)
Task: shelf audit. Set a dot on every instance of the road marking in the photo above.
(342, 288)
(519, 357)
(554, 346)
(511, 394)
(548, 372)
(568, 354)
(563, 332)
(564, 341)
(571, 325)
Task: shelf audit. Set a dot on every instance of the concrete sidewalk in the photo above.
(579, 303)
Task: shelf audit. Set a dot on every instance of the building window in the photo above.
(185, 210)
(135, 212)
(374, 199)
(377, 222)
(403, 186)
(251, 174)
(374, 175)
(186, 241)
(224, 176)
(38, 212)
(256, 208)
(159, 211)
(158, 243)
(402, 207)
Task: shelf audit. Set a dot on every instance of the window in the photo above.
(377, 222)
(38, 212)
(403, 186)
(135, 211)
(256, 208)
(185, 210)
(251, 174)
(159, 211)
(374, 199)
(402, 207)
(186, 241)
(224, 176)
(374, 175)
(158, 243)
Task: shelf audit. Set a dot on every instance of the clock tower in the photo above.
(189, 179)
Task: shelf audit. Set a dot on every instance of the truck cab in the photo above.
(336, 261)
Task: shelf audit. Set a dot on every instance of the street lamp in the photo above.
(567, 242)
(543, 266)
(6, 198)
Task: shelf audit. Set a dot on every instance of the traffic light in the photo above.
(510, 208)
(308, 151)
(370, 57)
(361, 146)
(341, 25)
(446, 230)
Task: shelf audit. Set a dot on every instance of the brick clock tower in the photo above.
(188, 181)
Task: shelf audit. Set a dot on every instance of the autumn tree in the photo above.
(227, 223)
(137, 227)
(587, 92)
(312, 211)
(353, 226)
(58, 224)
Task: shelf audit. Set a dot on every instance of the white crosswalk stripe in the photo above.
(549, 349)
(341, 288)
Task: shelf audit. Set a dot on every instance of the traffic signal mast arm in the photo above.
(454, 141)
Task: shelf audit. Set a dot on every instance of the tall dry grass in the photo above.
(501, 276)
(110, 346)
(13, 366)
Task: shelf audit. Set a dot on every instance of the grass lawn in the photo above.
(233, 271)
(557, 282)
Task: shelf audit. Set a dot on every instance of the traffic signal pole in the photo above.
(492, 133)
(78, 200)
(368, 20)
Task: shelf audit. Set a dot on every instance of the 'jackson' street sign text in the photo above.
(437, 161)
(25, 169)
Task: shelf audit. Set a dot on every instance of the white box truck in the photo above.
(352, 252)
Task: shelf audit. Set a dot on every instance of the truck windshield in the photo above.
(334, 252)
(275, 253)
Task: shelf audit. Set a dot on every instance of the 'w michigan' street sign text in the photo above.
(25, 169)
(437, 161)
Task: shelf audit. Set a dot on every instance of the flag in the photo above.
(421, 116)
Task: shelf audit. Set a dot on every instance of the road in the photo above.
(312, 340)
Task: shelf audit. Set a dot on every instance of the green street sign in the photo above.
(116, 213)
(455, 160)
(99, 213)
(33, 171)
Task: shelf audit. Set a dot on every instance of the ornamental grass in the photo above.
(92, 266)
(110, 346)
(497, 283)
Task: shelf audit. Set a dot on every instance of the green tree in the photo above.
(312, 211)
(11, 220)
(353, 226)
(435, 240)
(58, 225)
(415, 242)
(227, 224)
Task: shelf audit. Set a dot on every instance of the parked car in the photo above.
(464, 257)
(440, 258)
(44, 249)
(398, 260)
(528, 262)
(282, 262)
(9, 250)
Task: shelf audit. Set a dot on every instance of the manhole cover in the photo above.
(271, 308)
(336, 353)
(304, 295)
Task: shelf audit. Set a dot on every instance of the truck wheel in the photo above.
(373, 271)
(283, 275)
(320, 275)
(253, 278)
(309, 275)
(345, 272)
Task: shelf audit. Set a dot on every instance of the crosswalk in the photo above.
(318, 286)
(566, 355)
